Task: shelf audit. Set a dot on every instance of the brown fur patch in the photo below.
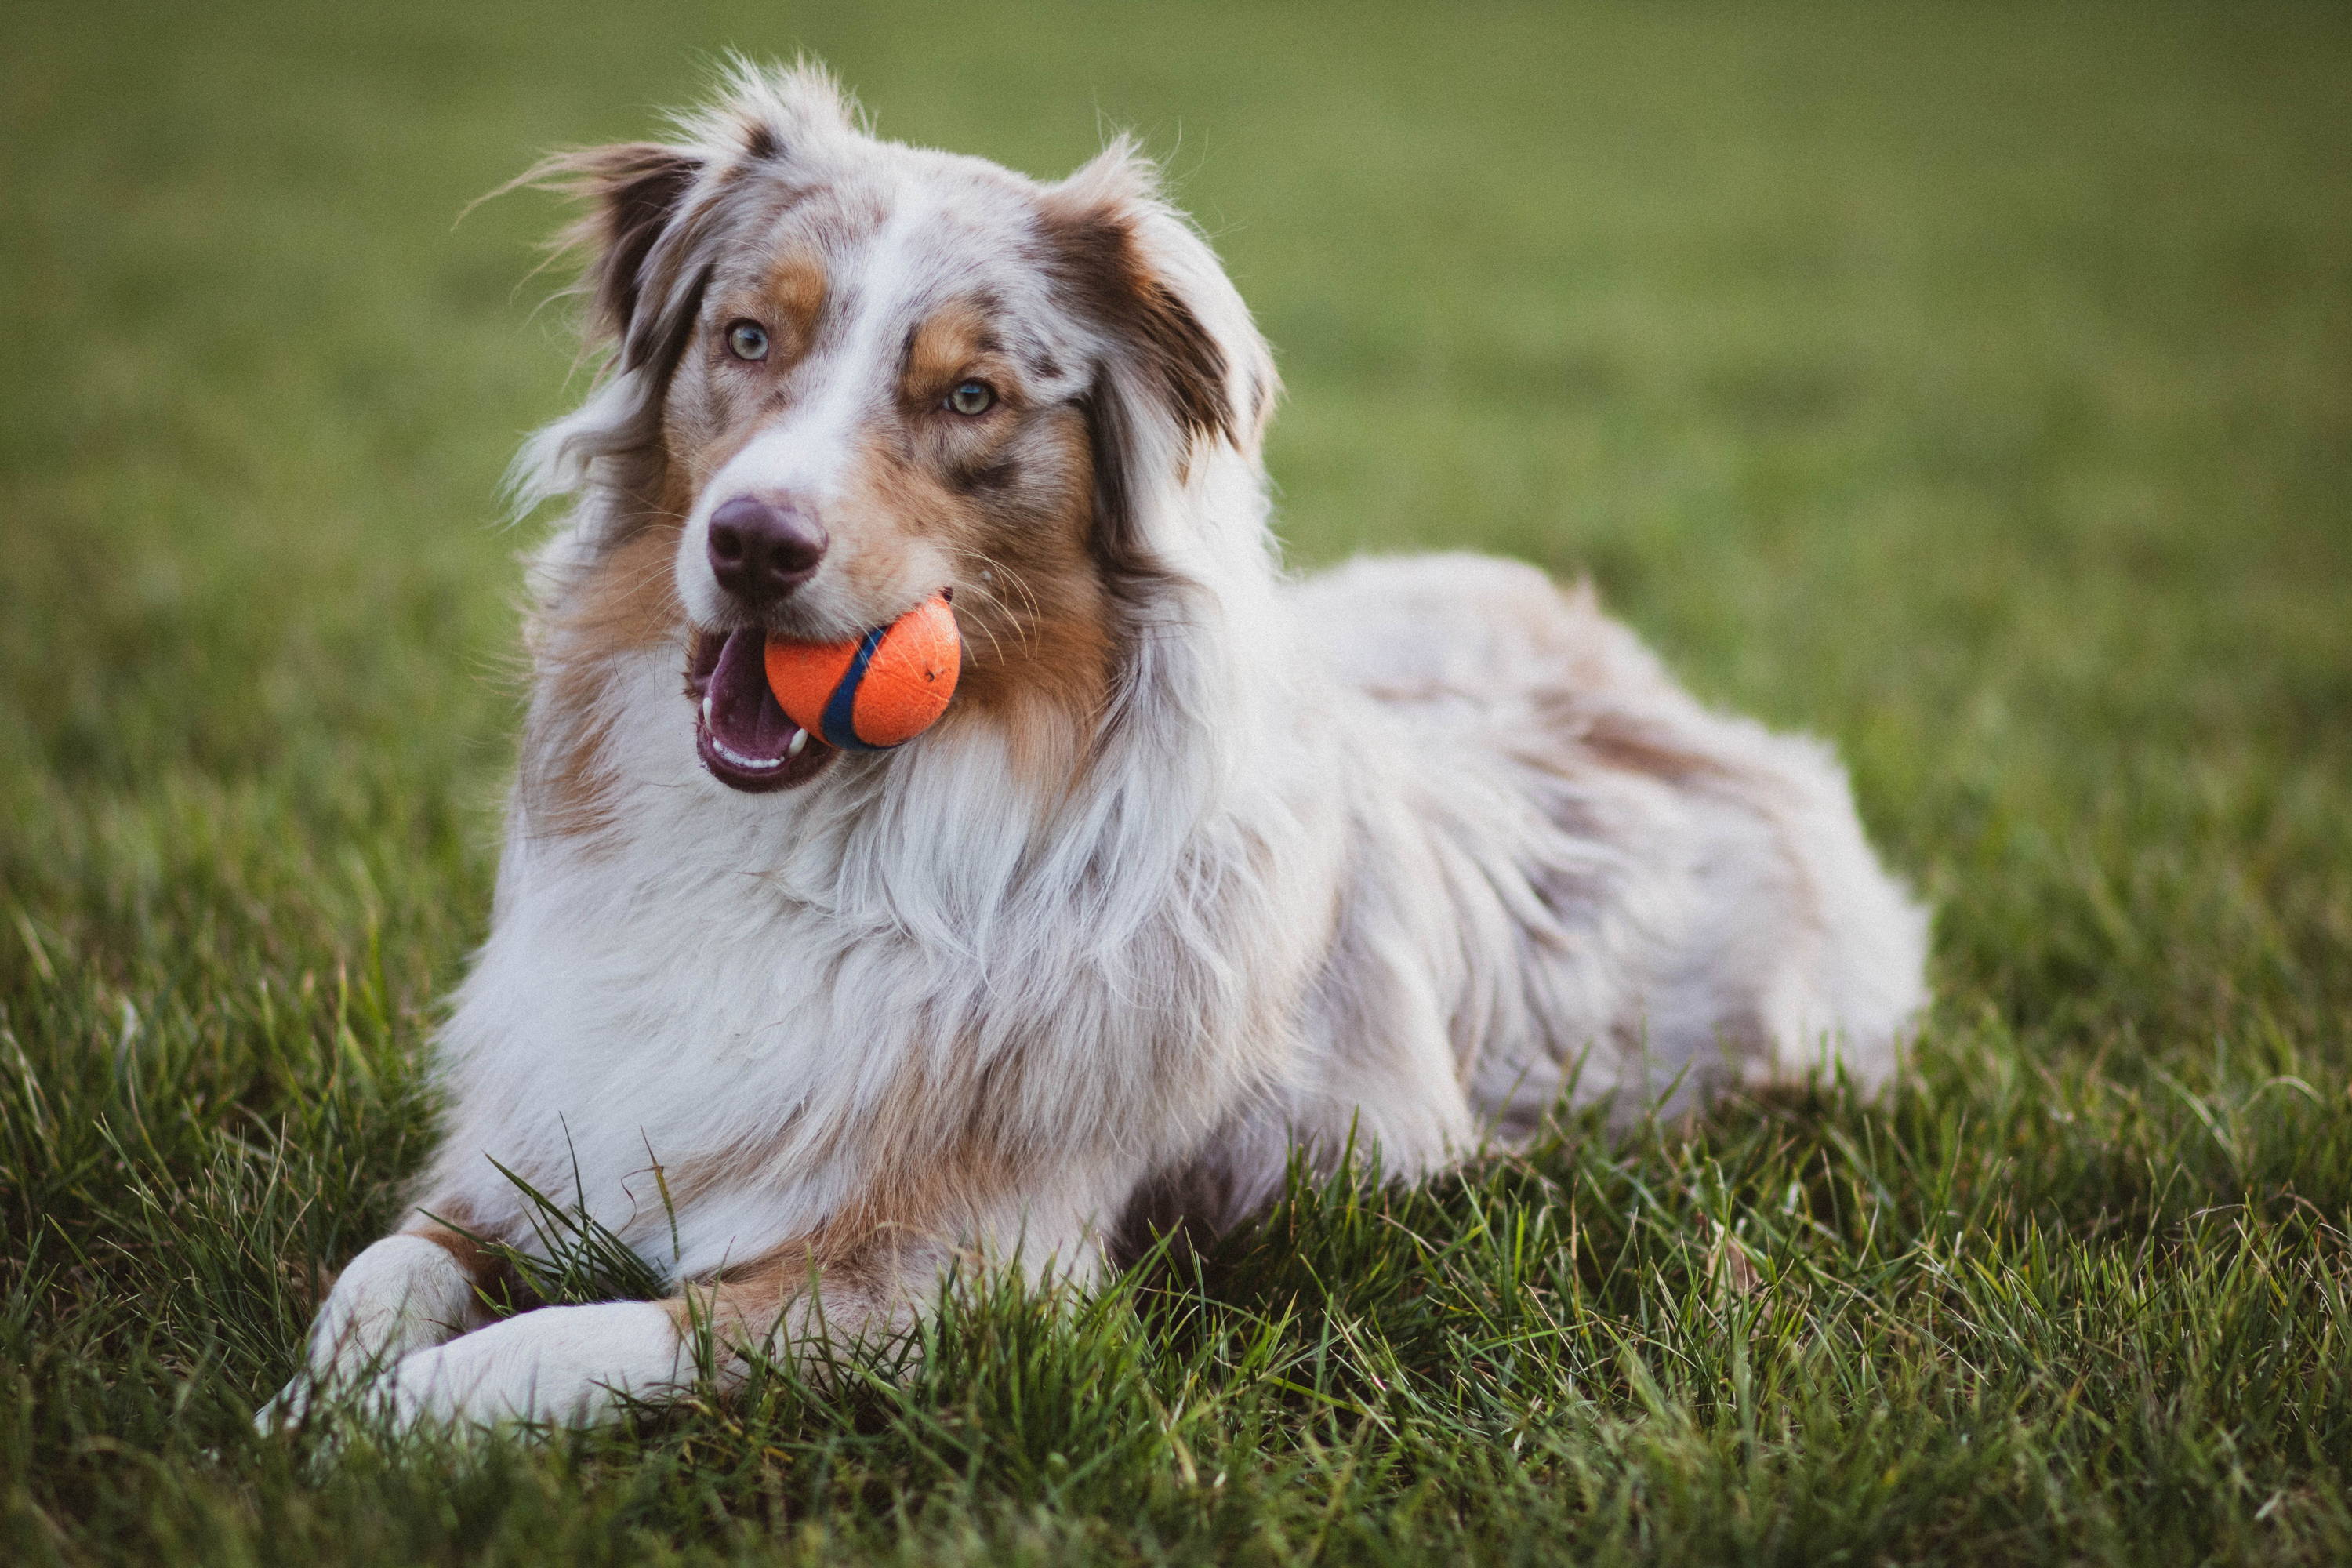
(1621, 741)
(946, 348)
(494, 1277)
(797, 291)
(468, 1254)
(1035, 611)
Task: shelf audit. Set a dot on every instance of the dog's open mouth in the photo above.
(744, 737)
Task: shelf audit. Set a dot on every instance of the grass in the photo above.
(1970, 384)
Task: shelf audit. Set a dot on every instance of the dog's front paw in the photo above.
(402, 1294)
(565, 1366)
(292, 1404)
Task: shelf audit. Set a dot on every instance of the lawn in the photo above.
(1969, 383)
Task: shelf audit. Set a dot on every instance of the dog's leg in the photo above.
(561, 1366)
(857, 1280)
(415, 1288)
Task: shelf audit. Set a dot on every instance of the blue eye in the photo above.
(747, 340)
(972, 397)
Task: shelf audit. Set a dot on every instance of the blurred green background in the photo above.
(1970, 383)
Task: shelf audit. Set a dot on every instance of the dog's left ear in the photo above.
(1180, 340)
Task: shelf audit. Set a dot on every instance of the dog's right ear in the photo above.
(647, 224)
(639, 236)
(635, 190)
(638, 187)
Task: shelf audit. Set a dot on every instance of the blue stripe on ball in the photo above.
(838, 726)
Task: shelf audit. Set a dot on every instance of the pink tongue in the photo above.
(743, 715)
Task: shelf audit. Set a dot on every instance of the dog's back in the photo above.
(1701, 907)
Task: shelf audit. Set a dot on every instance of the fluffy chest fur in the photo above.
(726, 1016)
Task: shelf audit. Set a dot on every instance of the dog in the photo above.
(1206, 868)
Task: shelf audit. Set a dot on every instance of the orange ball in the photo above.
(875, 691)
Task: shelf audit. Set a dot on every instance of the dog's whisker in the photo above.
(1028, 612)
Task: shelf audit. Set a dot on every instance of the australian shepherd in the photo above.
(1206, 863)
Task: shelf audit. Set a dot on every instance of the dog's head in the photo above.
(846, 374)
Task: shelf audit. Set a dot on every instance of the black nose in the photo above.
(763, 548)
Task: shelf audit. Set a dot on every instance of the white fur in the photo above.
(568, 1365)
(1395, 854)
(401, 1295)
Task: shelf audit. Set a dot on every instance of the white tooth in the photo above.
(744, 762)
(799, 739)
(706, 708)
